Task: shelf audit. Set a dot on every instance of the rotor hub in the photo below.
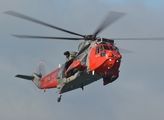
(90, 37)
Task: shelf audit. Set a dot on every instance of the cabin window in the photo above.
(97, 50)
(100, 48)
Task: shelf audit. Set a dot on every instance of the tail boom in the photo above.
(50, 80)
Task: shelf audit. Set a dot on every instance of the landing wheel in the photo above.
(82, 87)
(59, 99)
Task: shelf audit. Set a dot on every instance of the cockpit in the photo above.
(104, 47)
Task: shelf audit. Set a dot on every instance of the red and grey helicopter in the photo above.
(96, 58)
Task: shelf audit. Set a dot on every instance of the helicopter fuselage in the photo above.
(97, 60)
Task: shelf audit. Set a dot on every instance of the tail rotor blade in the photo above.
(41, 69)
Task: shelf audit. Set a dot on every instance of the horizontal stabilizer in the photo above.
(27, 77)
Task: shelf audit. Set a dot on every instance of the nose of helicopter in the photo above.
(114, 55)
(112, 63)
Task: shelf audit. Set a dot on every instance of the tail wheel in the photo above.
(41, 69)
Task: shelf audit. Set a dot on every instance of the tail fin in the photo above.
(27, 77)
(34, 78)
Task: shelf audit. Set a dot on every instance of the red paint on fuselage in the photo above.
(76, 65)
(50, 80)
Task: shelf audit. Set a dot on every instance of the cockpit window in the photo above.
(106, 47)
(116, 49)
(111, 48)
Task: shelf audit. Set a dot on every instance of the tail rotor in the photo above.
(41, 69)
(40, 72)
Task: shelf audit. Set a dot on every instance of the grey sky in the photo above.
(136, 95)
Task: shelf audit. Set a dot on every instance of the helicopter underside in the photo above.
(75, 82)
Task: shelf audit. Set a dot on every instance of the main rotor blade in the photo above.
(111, 18)
(15, 14)
(122, 50)
(153, 38)
(46, 37)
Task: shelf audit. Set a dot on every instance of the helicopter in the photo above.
(97, 58)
